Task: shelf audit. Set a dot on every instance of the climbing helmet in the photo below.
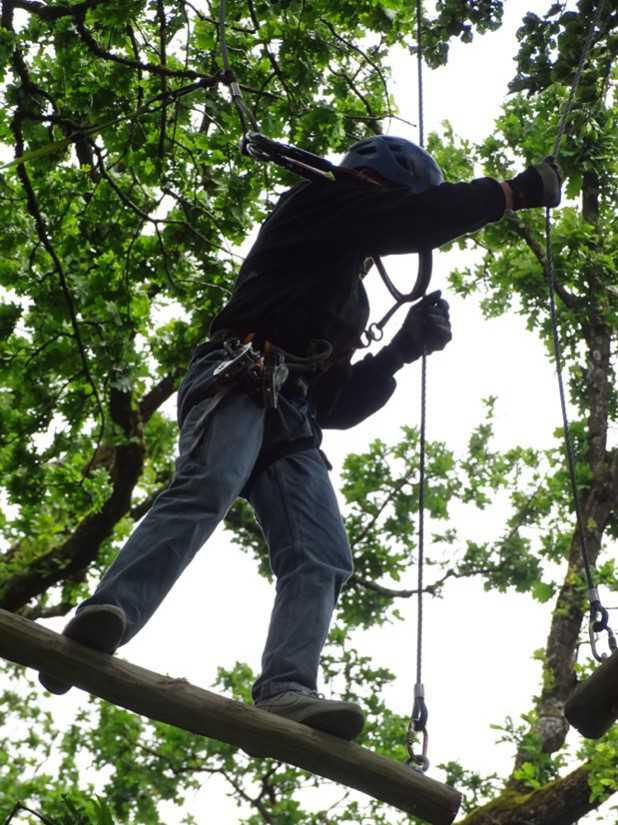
(396, 160)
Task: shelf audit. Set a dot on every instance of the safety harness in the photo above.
(263, 370)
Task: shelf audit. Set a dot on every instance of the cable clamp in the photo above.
(599, 616)
(420, 713)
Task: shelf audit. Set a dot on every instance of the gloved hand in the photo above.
(539, 185)
(426, 328)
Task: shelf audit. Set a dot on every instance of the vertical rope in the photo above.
(421, 521)
(568, 441)
(423, 432)
(419, 67)
(599, 616)
(578, 74)
(418, 720)
(423, 425)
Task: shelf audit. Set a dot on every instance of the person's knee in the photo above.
(337, 564)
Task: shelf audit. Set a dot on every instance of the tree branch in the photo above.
(432, 589)
(353, 47)
(81, 548)
(51, 13)
(562, 802)
(43, 235)
(525, 233)
(150, 402)
(600, 502)
(153, 68)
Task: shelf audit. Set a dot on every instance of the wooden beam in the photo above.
(199, 711)
(593, 706)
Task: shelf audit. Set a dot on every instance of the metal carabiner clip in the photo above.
(375, 332)
(599, 622)
(369, 336)
(419, 761)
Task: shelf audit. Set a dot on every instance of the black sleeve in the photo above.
(347, 394)
(319, 218)
(392, 221)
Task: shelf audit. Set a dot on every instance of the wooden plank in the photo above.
(199, 711)
(593, 706)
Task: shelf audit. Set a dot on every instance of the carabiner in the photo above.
(375, 332)
(418, 761)
(611, 641)
(370, 335)
(598, 622)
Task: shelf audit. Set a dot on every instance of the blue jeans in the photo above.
(294, 503)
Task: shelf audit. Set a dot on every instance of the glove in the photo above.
(426, 329)
(539, 185)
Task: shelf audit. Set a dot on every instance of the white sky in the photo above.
(478, 666)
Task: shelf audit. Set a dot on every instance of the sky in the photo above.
(478, 665)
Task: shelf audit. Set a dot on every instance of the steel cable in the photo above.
(598, 614)
(418, 719)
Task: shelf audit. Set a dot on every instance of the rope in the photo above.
(598, 614)
(419, 71)
(418, 719)
(421, 520)
(578, 74)
(247, 118)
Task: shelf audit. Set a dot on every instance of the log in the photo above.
(199, 711)
(593, 705)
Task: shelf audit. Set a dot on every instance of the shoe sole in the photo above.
(98, 628)
(341, 723)
(338, 723)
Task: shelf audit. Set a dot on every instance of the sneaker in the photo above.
(343, 719)
(99, 626)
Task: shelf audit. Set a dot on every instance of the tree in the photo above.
(125, 214)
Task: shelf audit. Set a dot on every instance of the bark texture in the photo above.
(562, 802)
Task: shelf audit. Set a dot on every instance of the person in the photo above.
(277, 370)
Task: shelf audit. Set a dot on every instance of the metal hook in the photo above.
(418, 761)
(375, 332)
(418, 724)
(599, 622)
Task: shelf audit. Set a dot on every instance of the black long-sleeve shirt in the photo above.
(301, 280)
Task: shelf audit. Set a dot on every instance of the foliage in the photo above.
(119, 243)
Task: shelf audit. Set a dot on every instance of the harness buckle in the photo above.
(263, 371)
(274, 374)
(243, 359)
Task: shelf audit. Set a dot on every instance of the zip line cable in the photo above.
(599, 616)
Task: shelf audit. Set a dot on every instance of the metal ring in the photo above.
(372, 334)
(365, 340)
